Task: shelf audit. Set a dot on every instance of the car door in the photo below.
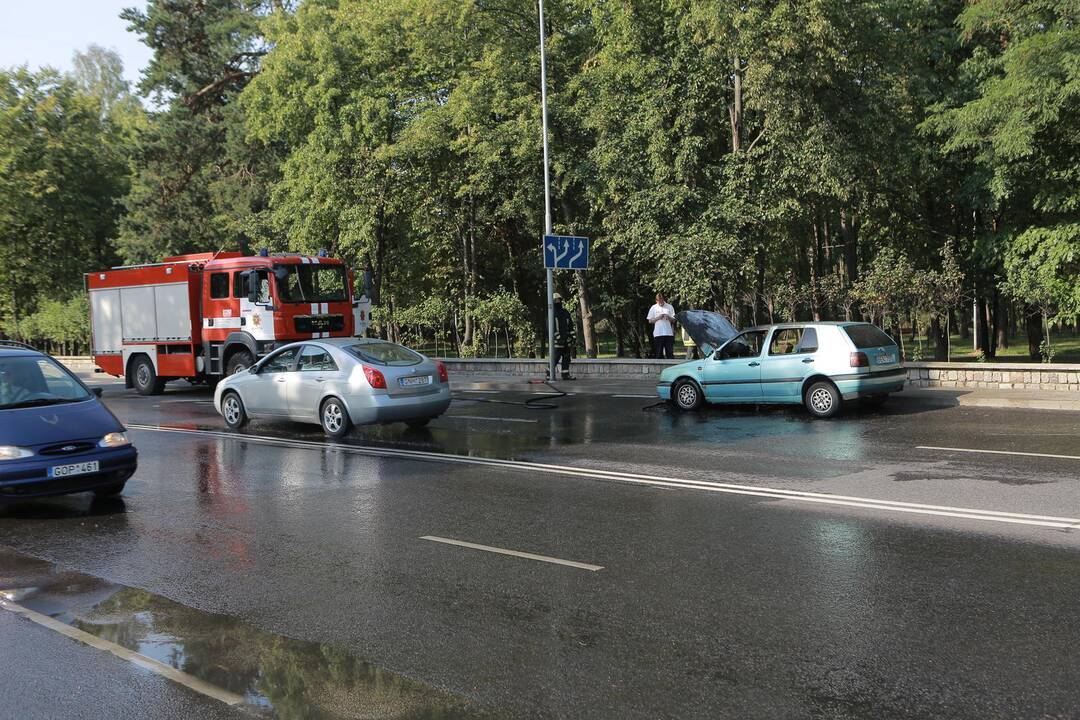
(314, 369)
(268, 392)
(788, 360)
(733, 373)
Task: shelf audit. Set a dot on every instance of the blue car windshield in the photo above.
(33, 381)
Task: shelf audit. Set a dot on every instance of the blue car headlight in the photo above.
(114, 439)
(11, 452)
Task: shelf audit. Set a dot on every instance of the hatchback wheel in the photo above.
(823, 399)
(335, 419)
(686, 395)
(232, 409)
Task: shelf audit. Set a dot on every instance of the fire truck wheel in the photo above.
(144, 378)
(232, 409)
(334, 418)
(239, 361)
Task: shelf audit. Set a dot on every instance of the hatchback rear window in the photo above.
(867, 336)
(385, 353)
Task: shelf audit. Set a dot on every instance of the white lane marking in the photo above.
(646, 397)
(515, 553)
(998, 452)
(492, 419)
(652, 480)
(154, 666)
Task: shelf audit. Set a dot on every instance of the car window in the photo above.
(219, 285)
(314, 358)
(282, 362)
(867, 336)
(31, 381)
(808, 343)
(744, 346)
(384, 353)
(785, 341)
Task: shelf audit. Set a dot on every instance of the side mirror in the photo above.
(97, 391)
(253, 369)
(252, 281)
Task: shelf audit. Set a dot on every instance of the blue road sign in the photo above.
(566, 252)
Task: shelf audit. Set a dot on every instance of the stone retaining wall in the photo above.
(1017, 376)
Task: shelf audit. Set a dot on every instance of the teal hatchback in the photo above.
(820, 365)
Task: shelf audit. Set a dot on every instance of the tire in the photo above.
(232, 409)
(686, 395)
(822, 399)
(334, 419)
(144, 378)
(109, 490)
(418, 423)
(238, 362)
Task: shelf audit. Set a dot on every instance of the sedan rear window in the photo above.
(385, 353)
(867, 336)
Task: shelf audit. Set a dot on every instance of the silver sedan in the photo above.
(337, 383)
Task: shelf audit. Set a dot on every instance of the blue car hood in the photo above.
(708, 329)
(56, 423)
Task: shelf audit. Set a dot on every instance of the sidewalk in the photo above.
(944, 397)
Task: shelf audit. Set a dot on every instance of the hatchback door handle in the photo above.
(318, 379)
(281, 379)
(754, 364)
(808, 360)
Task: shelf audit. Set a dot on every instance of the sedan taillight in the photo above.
(443, 376)
(374, 377)
(859, 359)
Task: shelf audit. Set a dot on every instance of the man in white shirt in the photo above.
(662, 317)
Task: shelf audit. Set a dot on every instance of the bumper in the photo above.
(30, 478)
(878, 383)
(370, 409)
(663, 390)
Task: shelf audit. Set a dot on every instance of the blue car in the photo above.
(56, 436)
(820, 365)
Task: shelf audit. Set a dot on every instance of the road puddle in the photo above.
(277, 676)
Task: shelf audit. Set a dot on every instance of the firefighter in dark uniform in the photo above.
(564, 337)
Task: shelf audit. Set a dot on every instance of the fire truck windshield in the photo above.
(311, 283)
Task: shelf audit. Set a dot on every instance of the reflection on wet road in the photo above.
(274, 674)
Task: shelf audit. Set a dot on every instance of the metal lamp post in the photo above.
(547, 198)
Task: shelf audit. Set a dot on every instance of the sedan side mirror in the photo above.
(97, 391)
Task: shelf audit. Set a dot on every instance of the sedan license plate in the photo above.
(414, 381)
(60, 471)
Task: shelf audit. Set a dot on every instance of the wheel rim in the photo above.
(821, 400)
(232, 410)
(332, 417)
(142, 375)
(239, 368)
(687, 396)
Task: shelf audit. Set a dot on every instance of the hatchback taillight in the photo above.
(374, 377)
(859, 359)
(443, 376)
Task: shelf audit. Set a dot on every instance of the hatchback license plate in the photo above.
(884, 359)
(414, 381)
(59, 471)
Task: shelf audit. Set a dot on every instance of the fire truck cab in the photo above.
(206, 315)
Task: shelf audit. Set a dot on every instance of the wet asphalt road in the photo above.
(263, 553)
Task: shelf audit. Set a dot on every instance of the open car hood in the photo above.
(708, 329)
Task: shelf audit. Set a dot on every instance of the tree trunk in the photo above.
(985, 340)
(849, 232)
(1034, 332)
(815, 268)
(1001, 321)
(735, 110)
(581, 282)
(939, 339)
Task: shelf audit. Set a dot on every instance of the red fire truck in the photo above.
(206, 315)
